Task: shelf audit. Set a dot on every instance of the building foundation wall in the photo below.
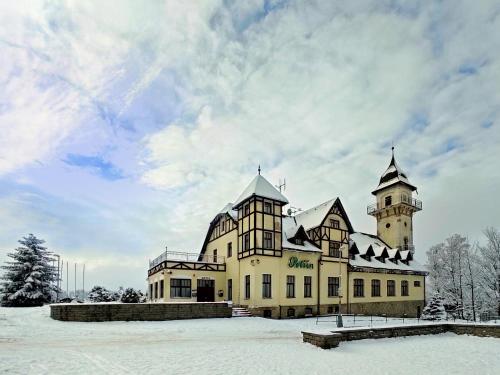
(394, 309)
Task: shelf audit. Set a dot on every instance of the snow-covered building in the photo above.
(279, 265)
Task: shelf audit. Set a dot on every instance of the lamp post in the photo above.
(340, 323)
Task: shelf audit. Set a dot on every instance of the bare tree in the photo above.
(490, 268)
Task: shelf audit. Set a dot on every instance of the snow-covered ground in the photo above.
(32, 343)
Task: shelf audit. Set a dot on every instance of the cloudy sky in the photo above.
(125, 126)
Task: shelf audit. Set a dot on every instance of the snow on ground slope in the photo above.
(32, 343)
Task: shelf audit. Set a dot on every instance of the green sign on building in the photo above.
(294, 262)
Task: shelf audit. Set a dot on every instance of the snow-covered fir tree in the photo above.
(130, 295)
(30, 279)
(434, 309)
(100, 294)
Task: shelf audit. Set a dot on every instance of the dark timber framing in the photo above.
(181, 265)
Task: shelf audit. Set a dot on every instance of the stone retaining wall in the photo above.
(104, 312)
(396, 308)
(331, 339)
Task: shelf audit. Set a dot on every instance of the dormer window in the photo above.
(388, 200)
(268, 208)
(299, 241)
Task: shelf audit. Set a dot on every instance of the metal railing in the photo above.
(186, 257)
(403, 198)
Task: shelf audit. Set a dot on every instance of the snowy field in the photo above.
(32, 343)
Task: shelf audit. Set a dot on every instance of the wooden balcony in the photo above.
(415, 204)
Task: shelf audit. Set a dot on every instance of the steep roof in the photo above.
(393, 175)
(290, 230)
(262, 188)
(228, 209)
(314, 217)
(366, 242)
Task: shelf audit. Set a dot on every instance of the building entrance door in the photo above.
(205, 290)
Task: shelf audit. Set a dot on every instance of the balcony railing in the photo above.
(403, 198)
(180, 256)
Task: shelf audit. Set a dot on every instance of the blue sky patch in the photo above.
(97, 164)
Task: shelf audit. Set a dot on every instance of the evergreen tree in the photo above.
(130, 295)
(29, 280)
(100, 294)
(434, 309)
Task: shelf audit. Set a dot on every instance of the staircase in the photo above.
(240, 312)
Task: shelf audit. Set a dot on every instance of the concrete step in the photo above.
(240, 311)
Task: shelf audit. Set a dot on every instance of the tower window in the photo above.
(388, 225)
(388, 201)
(268, 208)
(268, 240)
(246, 209)
(246, 241)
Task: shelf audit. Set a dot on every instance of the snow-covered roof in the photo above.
(290, 228)
(228, 209)
(262, 188)
(364, 242)
(314, 216)
(393, 175)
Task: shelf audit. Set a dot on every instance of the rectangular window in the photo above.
(229, 249)
(230, 289)
(334, 249)
(333, 286)
(266, 285)
(416, 283)
(268, 208)
(228, 226)
(388, 201)
(162, 284)
(180, 288)
(375, 288)
(268, 240)
(307, 286)
(156, 289)
(359, 288)
(334, 223)
(391, 288)
(246, 209)
(247, 287)
(222, 225)
(215, 255)
(246, 241)
(290, 286)
(404, 288)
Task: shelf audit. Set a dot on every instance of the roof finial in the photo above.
(258, 170)
(392, 148)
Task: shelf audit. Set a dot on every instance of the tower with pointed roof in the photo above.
(395, 207)
(259, 209)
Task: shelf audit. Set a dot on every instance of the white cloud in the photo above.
(313, 91)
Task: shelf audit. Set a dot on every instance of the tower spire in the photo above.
(258, 170)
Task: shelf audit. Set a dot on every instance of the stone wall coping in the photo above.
(421, 325)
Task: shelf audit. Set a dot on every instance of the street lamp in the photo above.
(340, 323)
